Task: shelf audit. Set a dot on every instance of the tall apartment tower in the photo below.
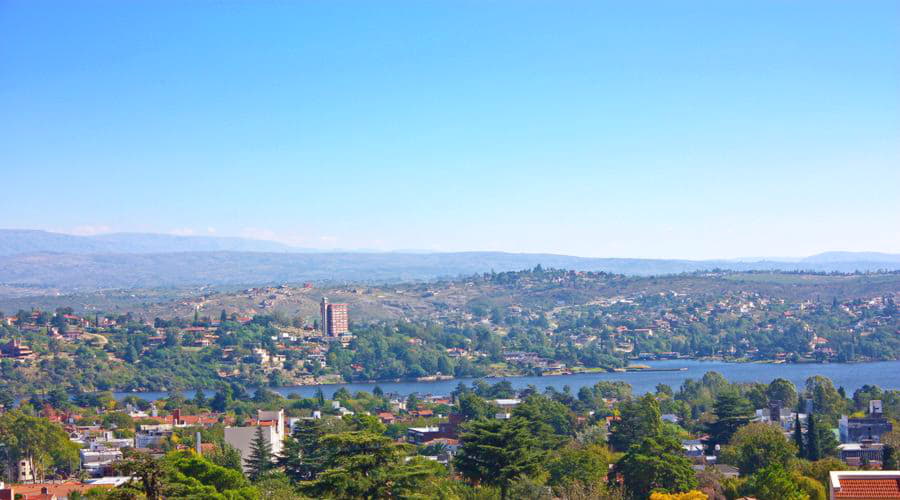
(323, 316)
(334, 318)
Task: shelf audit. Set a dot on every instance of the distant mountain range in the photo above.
(39, 261)
(29, 241)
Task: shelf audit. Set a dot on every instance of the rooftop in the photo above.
(865, 484)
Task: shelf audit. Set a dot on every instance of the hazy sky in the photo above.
(631, 129)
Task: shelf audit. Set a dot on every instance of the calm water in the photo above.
(885, 374)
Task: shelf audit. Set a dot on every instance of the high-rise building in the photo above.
(334, 320)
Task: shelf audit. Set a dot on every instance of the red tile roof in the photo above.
(887, 488)
(58, 489)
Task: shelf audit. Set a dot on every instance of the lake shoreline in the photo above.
(885, 374)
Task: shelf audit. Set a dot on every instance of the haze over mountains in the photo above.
(27, 241)
(37, 262)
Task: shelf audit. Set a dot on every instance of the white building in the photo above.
(152, 435)
(93, 461)
(273, 431)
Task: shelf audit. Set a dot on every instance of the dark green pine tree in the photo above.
(260, 460)
(6, 400)
(200, 398)
(320, 397)
(496, 452)
(223, 316)
(813, 450)
(299, 457)
(798, 435)
(889, 458)
(732, 412)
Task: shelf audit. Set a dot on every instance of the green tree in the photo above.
(826, 441)
(320, 397)
(6, 399)
(550, 421)
(361, 464)
(276, 486)
(655, 464)
(772, 482)
(227, 456)
(189, 475)
(221, 400)
(826, 400)
(587, 465)
(299, 457)
(889, 458)
(41, 443)
(809, 486)
(200, 398)
(732, 412)
(496, 452)
(813, 450)
(782, 390)
(638, 419)
(147, 469)
(473, 407)
(260, 460)
(757, 445)
(820, 469)
(798, 436)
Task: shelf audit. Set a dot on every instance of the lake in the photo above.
(885, 374)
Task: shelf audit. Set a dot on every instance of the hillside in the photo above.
(426, 299)
(50, 273)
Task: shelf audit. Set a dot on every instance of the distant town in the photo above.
(65, 434)
(534, 322)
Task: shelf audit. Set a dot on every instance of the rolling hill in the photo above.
(40, 263)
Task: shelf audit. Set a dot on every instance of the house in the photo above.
(507, 404)
(151, 436)
(95, 461)
(273, 431)
(48, 491)
(176, 419)
(24, 473)
(693, 448)
(420, 435)
(669, 417)
(864, 485)
(15, 349)
(871, 427)
(857, 454)
(448, 429)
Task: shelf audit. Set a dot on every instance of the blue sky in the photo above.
(630, 129)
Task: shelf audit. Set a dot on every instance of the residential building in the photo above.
(334, 319)
(693, 448)
(864, 485)
(419, 435)
(15, 349)
(151, 436)
(56, 491)
(871, 427)
(24, 473)
(95, 461)
(272, 424)
(448, 429)
(857, 454)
